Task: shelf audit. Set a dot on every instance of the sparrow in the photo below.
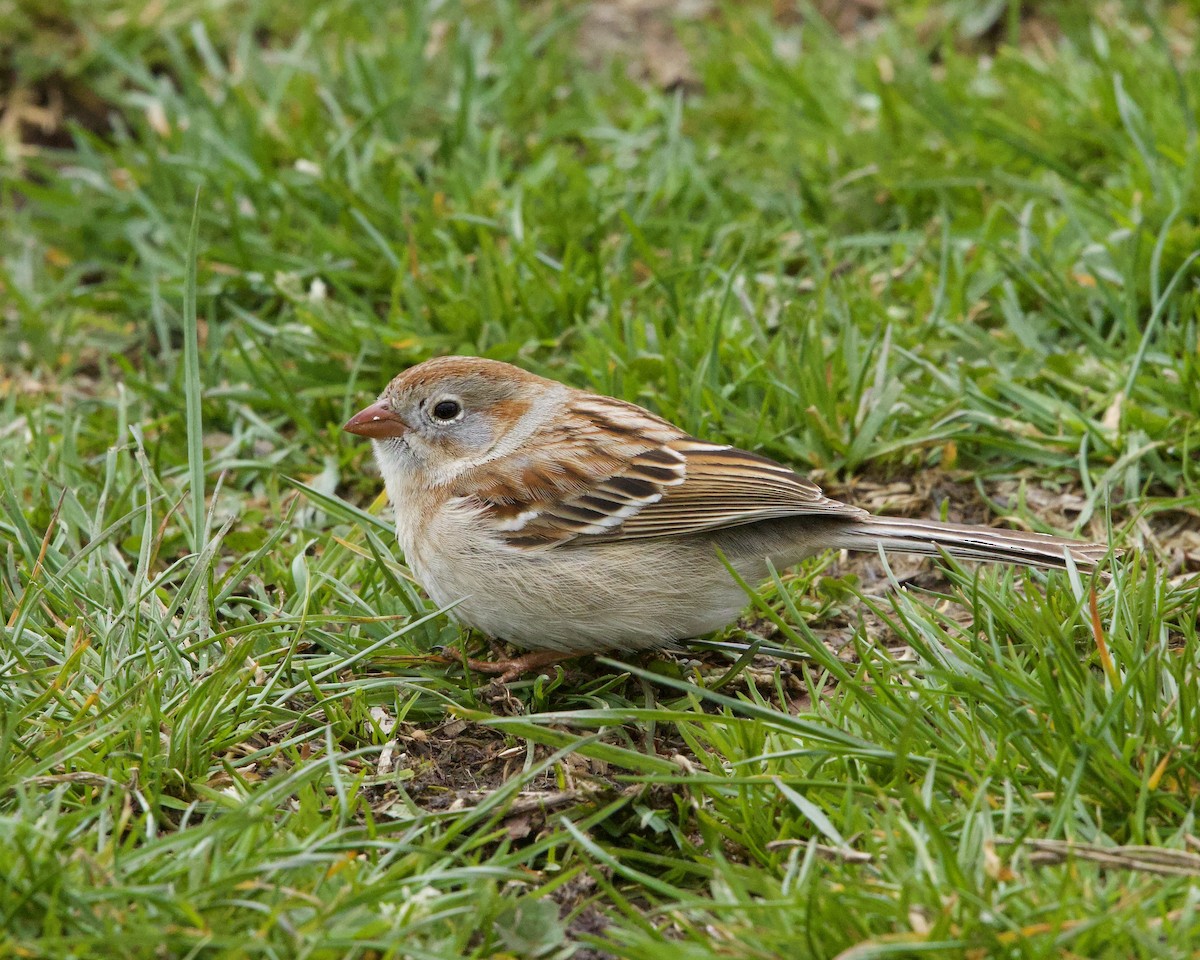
(567, 522)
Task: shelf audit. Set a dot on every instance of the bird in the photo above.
(567, 522)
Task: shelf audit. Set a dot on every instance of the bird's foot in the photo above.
(509, 669)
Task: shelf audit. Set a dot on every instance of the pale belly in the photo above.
(601, 597)
(588, 597)
(617, 595)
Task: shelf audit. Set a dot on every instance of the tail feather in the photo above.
(930, 537)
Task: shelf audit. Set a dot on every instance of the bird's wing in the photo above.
(628, 474)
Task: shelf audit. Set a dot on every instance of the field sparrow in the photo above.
(568, 522)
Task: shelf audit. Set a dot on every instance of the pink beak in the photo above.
(377, 421)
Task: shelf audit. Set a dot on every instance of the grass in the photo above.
(947, 260)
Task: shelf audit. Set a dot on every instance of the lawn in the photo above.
(944, 257)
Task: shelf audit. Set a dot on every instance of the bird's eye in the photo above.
(446, 410)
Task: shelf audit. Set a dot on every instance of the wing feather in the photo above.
(628, 474)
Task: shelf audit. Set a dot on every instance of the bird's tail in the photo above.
(930, 537)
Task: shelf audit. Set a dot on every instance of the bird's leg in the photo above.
(511, 669)
(508, 669)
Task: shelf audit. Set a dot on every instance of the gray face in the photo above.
(452, 422)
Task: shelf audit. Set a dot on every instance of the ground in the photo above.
(942, 255)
